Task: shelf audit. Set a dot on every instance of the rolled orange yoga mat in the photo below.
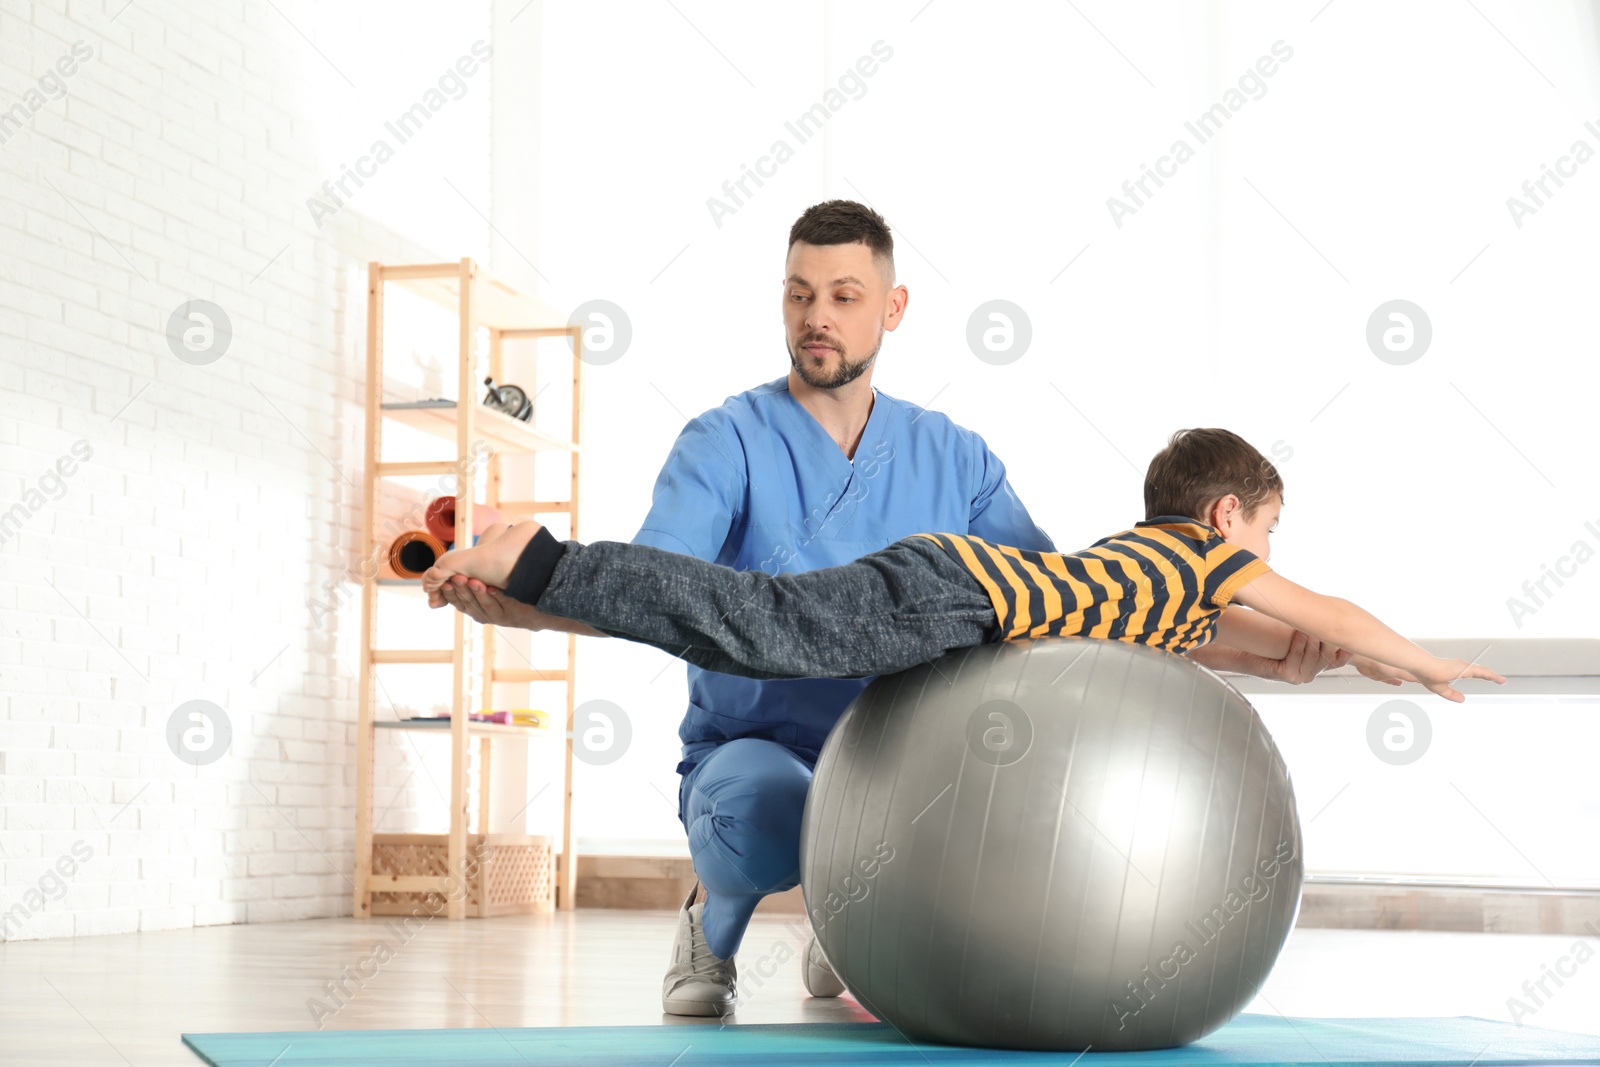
(413, 552)
(441, 518)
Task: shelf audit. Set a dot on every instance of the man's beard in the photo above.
(846, 372)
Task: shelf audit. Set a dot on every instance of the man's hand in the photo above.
(492, 607)
(1301, 663)
(489, 605)
(1306, 658)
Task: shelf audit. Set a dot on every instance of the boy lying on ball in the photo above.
(1170, 581)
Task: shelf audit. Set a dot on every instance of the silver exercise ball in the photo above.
(1053, 844)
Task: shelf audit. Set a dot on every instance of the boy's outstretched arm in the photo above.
(1345, 625)
(1240, 627)
(1255, 643)
(1249, 642)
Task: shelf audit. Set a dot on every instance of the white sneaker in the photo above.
(819, 977)
(697, 982)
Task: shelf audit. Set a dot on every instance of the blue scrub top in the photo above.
(759, 484)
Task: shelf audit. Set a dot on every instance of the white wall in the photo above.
(1496, 790)
(181, 559)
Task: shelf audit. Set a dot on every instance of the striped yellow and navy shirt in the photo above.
(1162, 583)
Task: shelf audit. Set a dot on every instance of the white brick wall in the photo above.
(178, 560)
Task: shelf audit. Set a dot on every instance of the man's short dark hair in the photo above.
(844, 222)
(1201, 466)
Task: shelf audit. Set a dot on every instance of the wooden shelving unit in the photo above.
(479, 302)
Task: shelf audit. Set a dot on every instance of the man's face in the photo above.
(836, 306)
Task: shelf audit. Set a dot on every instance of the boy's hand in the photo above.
(1381, 672)
(1444, 671)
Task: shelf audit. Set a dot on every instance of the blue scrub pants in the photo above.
(741, 804)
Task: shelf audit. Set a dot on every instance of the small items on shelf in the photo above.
(511, 399)
(441, 519)
(532, 718)
(413, 552)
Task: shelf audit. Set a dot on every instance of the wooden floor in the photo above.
(124, 999)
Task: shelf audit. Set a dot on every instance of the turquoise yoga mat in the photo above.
(1247, 1040)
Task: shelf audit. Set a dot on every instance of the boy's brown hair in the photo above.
(1201, 466)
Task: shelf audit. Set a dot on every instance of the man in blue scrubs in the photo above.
(812, 470)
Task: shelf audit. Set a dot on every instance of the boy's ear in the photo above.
(1224, 508)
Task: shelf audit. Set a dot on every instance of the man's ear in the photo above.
(898, 298)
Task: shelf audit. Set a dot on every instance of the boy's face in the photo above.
(1254, 533)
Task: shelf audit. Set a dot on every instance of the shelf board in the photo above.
(501, 431)
(442, 726)
(531, 674)
(412, 655)
(495, 305)
(535, 507)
